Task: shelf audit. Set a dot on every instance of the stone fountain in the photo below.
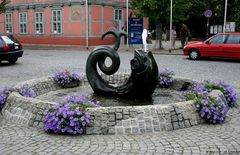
(140, 85)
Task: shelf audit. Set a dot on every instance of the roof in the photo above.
(230, 33)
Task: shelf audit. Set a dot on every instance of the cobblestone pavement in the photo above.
(202, 139)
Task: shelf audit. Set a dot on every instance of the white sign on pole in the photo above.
(232, 26)
(215, 29)
(220, 28)
(227, 28)
(211, 29)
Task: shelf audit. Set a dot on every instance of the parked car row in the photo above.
(10, 48)
(226, 45)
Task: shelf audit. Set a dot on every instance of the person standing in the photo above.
(184, 34)
(164, 34)
(144, 39)
(174, 36)
(124, 39)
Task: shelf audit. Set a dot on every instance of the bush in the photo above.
(68, 116)
(165, 77)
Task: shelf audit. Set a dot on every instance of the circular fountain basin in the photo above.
(166, 110)
(160, 96)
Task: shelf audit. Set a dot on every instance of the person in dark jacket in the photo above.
(184, 34)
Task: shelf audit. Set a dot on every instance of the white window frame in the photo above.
(23, 23)
(39, 22)
(118, 14)
(57, 22)
(9, 22)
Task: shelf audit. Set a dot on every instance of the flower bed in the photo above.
(66, 78)
(4, 92)
(104, 120)
(225, 88)
(25, 91)
(165, 77)
(111, 120)
(68, 116)
(212, 109)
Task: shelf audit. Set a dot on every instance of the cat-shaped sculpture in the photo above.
(143, 78)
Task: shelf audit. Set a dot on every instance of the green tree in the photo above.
(2, 5)
(158, 11)
(233, 12)
(189, 11)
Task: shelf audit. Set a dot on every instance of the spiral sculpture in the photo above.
(143, 78)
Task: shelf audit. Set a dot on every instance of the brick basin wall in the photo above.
(106, 120)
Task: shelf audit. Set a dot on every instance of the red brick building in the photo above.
(63, 22)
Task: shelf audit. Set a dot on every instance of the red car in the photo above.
(226, 45)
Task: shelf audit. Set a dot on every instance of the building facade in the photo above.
(63, 22)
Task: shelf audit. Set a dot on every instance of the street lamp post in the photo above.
(127, 19)
(225, 17)
(170, 27)
(87, 37)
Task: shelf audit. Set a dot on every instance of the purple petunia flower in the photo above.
(225, 88)
(165, 79)
(26, 91)
(68, 116)
(65, 77)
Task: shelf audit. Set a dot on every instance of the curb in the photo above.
(83, 48)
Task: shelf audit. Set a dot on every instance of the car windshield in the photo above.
(218, 39)
(7, 40)
(1, 42)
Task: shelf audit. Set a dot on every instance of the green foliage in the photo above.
(234, 12)
(159, 10)
(191, 96)
(2, 5)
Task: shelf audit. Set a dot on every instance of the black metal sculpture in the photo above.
(142, 81)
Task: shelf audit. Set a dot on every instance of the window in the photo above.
(23, 23)
(57, 21)
(7, 40)
(39, 22)
(219, 39)
(118, 14)
(233, 39)
(8, 23)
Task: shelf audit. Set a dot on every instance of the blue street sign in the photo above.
(208, 13)
(135, 30)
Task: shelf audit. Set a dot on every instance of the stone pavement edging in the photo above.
(106, 120)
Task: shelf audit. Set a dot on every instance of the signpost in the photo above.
(135, 30)
(208, 14)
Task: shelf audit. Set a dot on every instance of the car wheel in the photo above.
(12, 61)
(194, 54)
